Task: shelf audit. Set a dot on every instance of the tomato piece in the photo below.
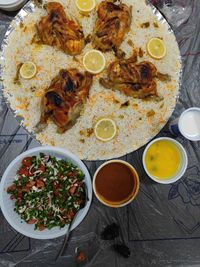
(27, 161)
(72, 189)
(42, 168)
(41, 227)
(70, 214)
(30, 184)
(72, 174)
(23, 171)
(39, 184)
(56, 185)
(11, 188)
(32, 221)
(61, 210)
(20, 194)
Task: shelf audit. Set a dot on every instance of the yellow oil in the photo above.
(163, 159)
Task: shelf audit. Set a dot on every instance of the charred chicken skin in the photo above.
(59, 31)
(133, 79)
(65, 98)
(112, 24)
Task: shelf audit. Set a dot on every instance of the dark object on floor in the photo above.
(110, 232)
(122, 249)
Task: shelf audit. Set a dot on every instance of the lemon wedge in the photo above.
(28, 70)
(85, 5)
(105, 129)
(156, 48)
(94, 61)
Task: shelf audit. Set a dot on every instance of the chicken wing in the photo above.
(112, 24)
(65, 98)
(58, 30)
(133, 79)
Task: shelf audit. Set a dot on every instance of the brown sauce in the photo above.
(115, 183)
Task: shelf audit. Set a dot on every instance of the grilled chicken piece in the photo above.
(111, 26)
(132, 79)
(58, 30)
(64, 99)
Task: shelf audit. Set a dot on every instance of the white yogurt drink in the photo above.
(189, 124)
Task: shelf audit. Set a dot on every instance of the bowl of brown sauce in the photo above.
(116, 183)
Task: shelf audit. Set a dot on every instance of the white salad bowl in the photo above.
(7, 205)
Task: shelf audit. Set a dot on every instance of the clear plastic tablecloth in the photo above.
(162, 226)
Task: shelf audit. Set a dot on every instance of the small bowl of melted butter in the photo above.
(165, 160)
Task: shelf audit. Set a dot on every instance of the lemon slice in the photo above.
(105, 129)
(28, 70)
(94, 61)
(85, 5)
(156, 48)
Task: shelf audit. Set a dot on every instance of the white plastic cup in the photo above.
(188, 125)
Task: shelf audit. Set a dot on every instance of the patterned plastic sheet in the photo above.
(162, 226)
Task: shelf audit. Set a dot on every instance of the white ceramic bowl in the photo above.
(7, 205)
(184, 162)
(136, 187)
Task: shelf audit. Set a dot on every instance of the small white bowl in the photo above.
(136, 188)
(7, 205)
(188, 118)
(184, 162)
(11, 5)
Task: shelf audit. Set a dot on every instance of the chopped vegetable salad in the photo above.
(47, 191)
